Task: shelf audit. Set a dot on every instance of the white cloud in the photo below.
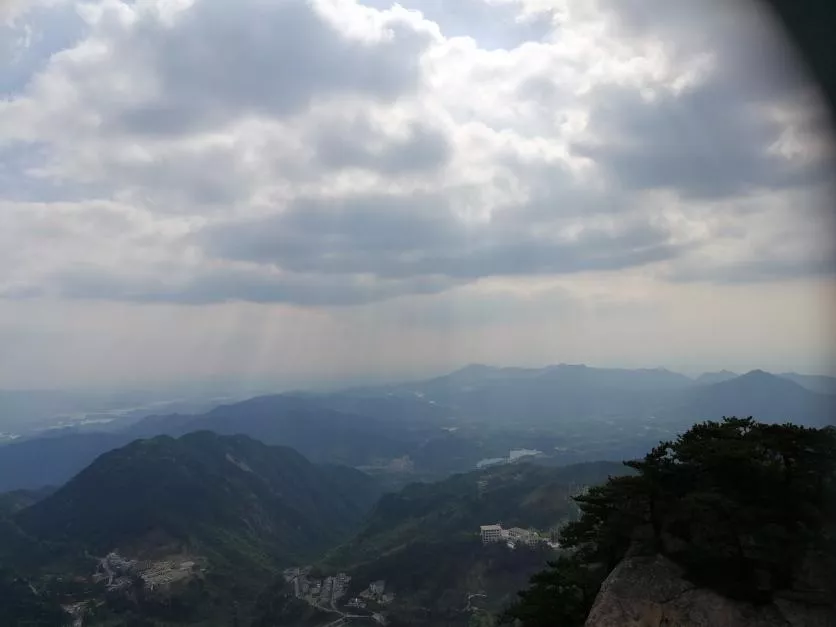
(338, 152)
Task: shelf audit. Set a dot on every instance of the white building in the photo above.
(523, 536)
(491, 533)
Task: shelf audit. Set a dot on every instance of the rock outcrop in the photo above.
(650, 591)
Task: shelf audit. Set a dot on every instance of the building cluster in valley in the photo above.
(120, 573)
(376, 593)
(513, 536)
(324, 591)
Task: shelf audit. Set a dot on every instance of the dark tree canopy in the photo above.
(739, 504)
(21, 604)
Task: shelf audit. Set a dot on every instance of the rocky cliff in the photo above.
(651, 591)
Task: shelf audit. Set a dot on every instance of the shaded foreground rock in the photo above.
(650, 591)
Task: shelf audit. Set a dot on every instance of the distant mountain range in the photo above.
(309, 424)
(52, 459)
(446, 424)
(565, 392)
(707, 378)
(813, 382)
(767, 397)
(27, 412)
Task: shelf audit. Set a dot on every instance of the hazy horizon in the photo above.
(331, 190)
(267, 384)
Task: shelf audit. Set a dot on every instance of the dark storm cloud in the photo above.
(352, 252)
(341, 236)
(391, 237)
(755, 271)
(222, 59)
(207, 285)
(780, 270)
(703, 143)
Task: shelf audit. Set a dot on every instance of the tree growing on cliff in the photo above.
(738, 503)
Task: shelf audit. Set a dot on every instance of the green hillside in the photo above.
(439, 583)
(16, 500)
(424, 540)
(231, 496)
(517, 495)
(214, 517)
(21, 605)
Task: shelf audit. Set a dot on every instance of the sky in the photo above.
(313, 189)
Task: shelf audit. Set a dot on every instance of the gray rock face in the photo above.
(650, 591)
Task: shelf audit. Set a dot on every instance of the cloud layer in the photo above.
(334, 154)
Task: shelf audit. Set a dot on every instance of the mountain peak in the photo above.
(716, 377)
(474, 369)
(759, 373)
(759, 379)
(203, 490)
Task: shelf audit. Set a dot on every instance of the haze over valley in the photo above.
(453, 423)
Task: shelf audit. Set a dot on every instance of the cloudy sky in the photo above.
(311, 189)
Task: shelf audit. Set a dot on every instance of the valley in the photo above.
(426, 430)
(421, 504)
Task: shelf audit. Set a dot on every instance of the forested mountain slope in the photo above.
(230, 496)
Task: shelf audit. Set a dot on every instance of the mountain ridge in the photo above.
(375, 427)
(203, 491)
